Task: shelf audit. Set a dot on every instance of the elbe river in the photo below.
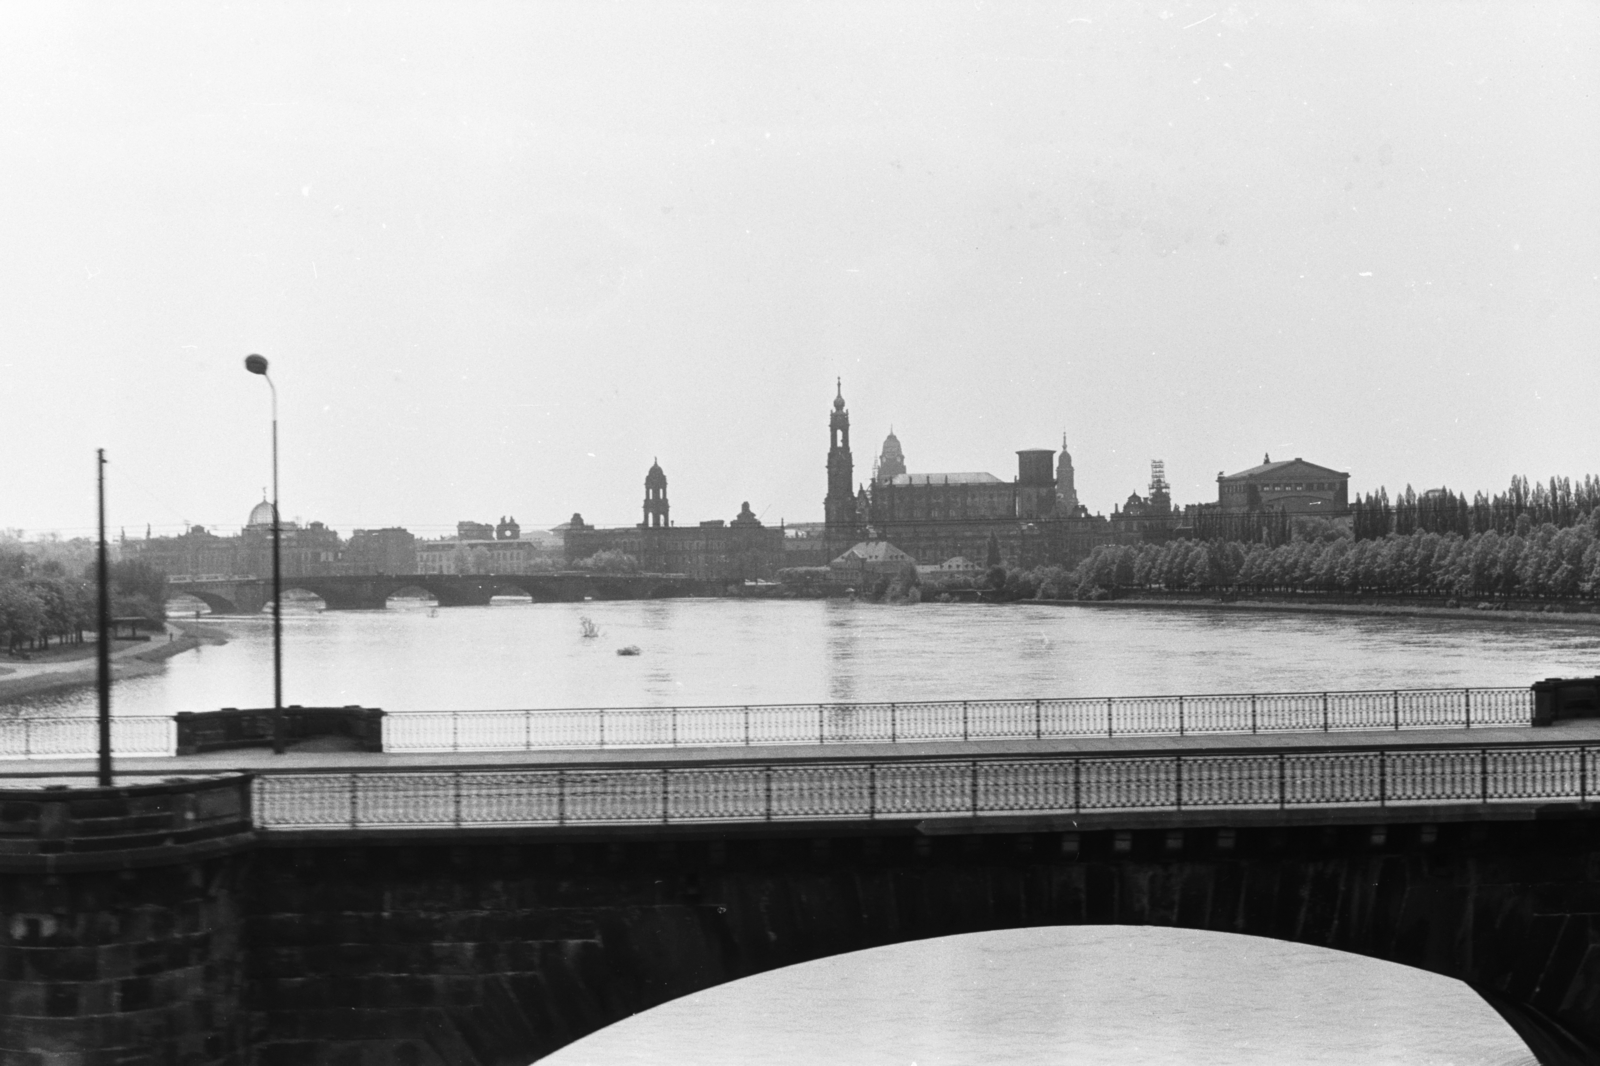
(1106, 994)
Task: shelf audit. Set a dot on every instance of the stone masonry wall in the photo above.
(121, 924)
(494, 954)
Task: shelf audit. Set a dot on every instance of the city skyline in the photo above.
(501, 257)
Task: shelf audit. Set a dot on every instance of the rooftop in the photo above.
(959, 478)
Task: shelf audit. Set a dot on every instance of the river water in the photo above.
(1090, 996)
(709, 652)
(1064, 995)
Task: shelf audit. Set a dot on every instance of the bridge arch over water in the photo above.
(216, 603)
(371, 592)
(1152, 994)
(519, 943)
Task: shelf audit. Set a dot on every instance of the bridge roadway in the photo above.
(487, 908)
(327, 757)
(937, 787)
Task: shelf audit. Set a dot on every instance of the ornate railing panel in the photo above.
(69, 737)
(948, 720)
(921, 788)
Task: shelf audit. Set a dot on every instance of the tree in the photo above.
(610, 560)
(22, 614)
(906, 586)
(137, 589)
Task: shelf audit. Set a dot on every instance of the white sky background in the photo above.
(501, 256)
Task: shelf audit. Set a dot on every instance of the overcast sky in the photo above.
(503, 255)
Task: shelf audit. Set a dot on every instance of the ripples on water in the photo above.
(756, 651)
(1084, 996)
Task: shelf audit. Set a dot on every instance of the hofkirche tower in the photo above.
(839, 509)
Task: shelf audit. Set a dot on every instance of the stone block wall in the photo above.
(121, 925)
(491, 953)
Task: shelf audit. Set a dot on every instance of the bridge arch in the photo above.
(300, 594)
(592, 929)
(1069, 993)
(411, 591)
(217, 604)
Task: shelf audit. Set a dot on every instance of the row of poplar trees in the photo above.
(1533, 541)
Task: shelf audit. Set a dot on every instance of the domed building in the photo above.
(261, 517)
(198, 554)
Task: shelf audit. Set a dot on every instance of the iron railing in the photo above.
(903, 722)
(811, 790)
(62, 737)
(848, 723)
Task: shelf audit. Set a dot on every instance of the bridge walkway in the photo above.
(310, 757)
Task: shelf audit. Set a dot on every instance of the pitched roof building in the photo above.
(1291, 485)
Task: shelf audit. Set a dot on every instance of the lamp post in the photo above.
(257, 364)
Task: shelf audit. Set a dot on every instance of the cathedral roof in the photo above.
(960, 478)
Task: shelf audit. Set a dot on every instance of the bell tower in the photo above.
(1066, 487)
(655, 498)
(839, 508)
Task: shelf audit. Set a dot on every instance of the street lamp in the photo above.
(257, 364)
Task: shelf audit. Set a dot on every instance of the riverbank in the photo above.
(1391, 610)
(135, 659)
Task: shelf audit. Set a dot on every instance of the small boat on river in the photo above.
(631, 649)
(590, 630)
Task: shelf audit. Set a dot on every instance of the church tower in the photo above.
(892, 463)
(655, 498)
(1066, 491)
(839, 508)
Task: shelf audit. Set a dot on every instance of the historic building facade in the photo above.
(311, 550)
(1035, 518)
(1293, 486)
(733, 551)
(314, 550)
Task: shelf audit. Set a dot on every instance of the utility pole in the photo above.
(103, 639)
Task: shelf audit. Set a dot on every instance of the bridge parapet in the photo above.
(958, 720)
(1230, 782)
(601, 728)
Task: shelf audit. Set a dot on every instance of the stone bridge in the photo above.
(370, 592)
(384, 909)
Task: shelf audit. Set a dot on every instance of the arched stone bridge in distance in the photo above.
(371, 592)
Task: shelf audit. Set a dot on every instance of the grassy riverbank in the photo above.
(128, 659)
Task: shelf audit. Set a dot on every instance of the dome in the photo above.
(260, 516)
(891, 446)
(838, 400)
(655, 477)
